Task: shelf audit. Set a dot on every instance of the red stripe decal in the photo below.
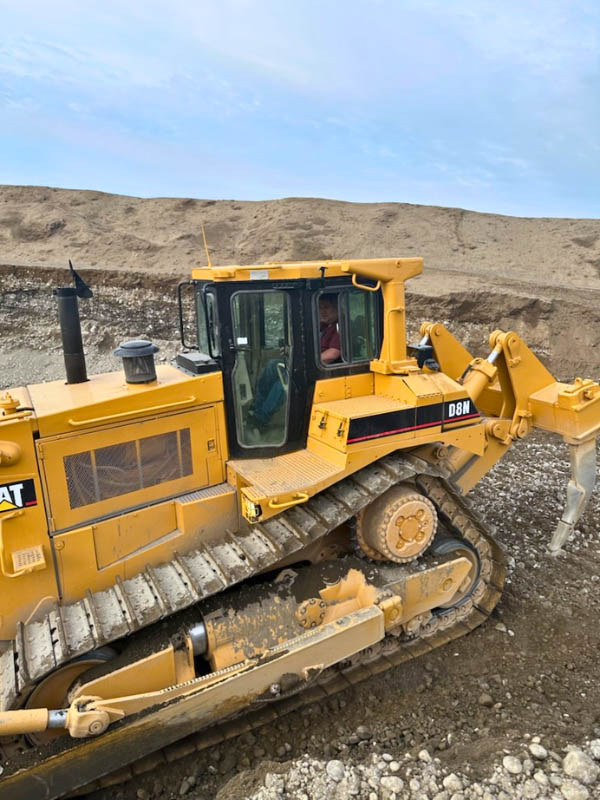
(31, 503)
(412, 428)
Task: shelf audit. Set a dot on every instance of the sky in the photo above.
(491, 106)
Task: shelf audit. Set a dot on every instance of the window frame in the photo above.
(204, 290)
(344, 328)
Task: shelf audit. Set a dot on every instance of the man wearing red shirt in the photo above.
(330, 335)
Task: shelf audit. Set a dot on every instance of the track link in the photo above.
(392, 651)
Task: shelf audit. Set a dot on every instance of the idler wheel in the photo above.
(399, 526)
(52, 692)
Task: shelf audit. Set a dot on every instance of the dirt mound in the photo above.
(42, 226)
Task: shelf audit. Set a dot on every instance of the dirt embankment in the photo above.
(564, 333)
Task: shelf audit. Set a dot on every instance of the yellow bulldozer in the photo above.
(289, 494)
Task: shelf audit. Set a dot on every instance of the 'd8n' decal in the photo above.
(459, 409)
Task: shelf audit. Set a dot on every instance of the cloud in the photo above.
(56, 62)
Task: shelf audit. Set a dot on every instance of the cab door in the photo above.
(263, 348)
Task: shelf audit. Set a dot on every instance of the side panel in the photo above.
(116, 538)
(95, 475)
(92, 557)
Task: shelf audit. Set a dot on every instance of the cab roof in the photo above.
(283, 270)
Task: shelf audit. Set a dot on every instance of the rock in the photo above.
(363, 733)
(394, 766)
(391, 784)
(335, 770)
(228, 762)
(538, 751)
(595, 749)
(572, 790)
(452, 783)
(486, 700)
(530, 789)
(142, 794)
(528, 765)
(424, 756)
(274, 782)
(512, 764)
(184, 787)
(541, 778)
(576, 764)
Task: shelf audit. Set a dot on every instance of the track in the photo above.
(392, 651)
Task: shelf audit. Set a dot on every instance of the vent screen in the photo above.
(106, 472)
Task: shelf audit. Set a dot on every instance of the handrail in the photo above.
(123, 414)
(15, 417)
(299, 497)
(180, 309)
(364, 286)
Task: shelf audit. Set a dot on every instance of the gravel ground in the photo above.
(511, 710)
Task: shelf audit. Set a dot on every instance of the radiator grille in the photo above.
(96, 475)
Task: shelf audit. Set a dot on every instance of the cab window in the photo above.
(347, 326)
(363, 337)
(262, 342)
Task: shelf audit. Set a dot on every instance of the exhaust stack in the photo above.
(70, 327)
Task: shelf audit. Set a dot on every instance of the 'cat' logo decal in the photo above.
(17, 495)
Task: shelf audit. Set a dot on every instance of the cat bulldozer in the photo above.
(192, 548)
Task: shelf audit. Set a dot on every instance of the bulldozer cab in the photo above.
(272, 340)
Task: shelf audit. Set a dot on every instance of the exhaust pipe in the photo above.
(70, 326)
(70, 329)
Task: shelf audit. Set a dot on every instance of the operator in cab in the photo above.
(329, 330)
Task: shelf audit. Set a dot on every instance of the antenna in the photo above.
(205, 245)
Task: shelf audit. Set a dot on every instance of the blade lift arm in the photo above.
(515, 393)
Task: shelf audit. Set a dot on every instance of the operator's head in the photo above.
(328, 313)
